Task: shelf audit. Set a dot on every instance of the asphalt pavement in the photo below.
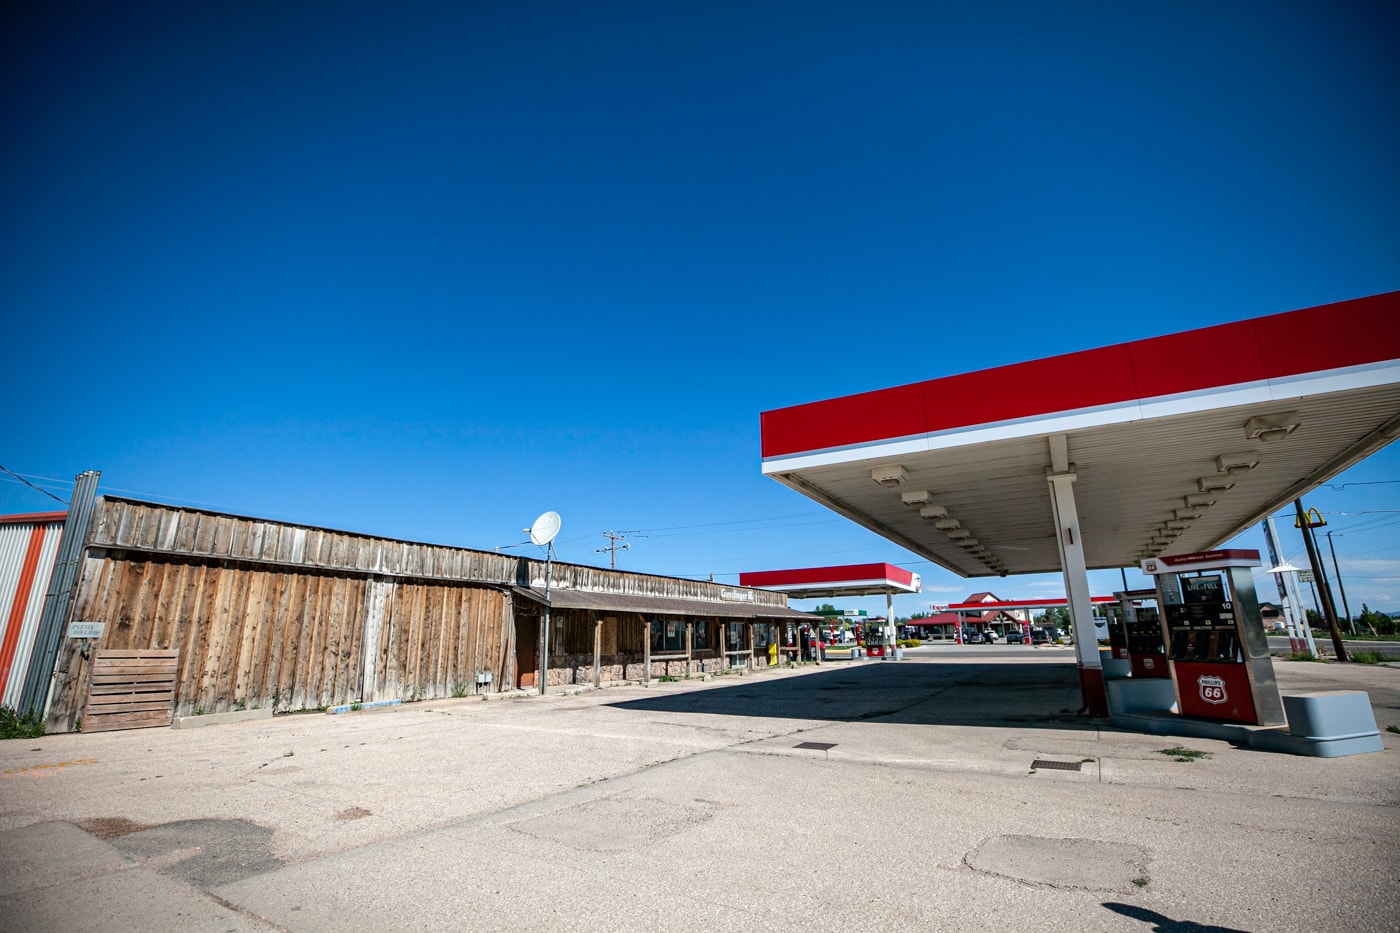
(950, 791)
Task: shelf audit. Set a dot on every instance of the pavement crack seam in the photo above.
(244, 912)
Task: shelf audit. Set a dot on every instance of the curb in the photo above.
(356, 707)
(220, 719)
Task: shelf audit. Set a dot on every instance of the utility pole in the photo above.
(612, 548)
(1340, 585)
(1329, 612)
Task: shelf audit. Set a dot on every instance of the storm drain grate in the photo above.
(817, 746)
(1056, 765)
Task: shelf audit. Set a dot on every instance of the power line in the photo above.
(650, 532)
(1377, 482)
(35, 488)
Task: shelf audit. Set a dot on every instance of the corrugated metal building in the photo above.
(28, 547)
(261, 613)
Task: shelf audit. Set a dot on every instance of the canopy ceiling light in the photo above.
(889, 475)
(1271, 427)
(947, 524)
(1198, 500)
(917, 497)
(1236, 464)
(968, 543)
(1186, 515)
(932, 513)
(1217, 483)
(957, 534)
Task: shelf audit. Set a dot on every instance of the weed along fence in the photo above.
(263, 614)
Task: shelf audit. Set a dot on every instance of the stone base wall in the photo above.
(578, 669)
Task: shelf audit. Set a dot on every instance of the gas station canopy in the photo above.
(1175, 444)
(835, 582)
(1025, 604)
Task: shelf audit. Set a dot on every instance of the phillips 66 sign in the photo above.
(1212, 689)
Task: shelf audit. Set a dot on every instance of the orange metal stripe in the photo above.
(21, 603)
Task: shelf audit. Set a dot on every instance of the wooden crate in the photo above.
(131, 690)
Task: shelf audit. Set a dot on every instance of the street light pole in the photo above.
(1340, 585)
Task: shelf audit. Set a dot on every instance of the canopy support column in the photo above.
(1070, 542)
(890, 634)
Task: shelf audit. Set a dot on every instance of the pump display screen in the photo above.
(1202, 615)
(1202, 590)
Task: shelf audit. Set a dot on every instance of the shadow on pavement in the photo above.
(1164, 924)
(919, 693)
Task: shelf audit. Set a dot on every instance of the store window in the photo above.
(702, 634)
(668, 636)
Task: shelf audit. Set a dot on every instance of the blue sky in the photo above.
(426, 270)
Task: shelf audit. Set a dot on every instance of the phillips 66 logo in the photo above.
(1212, 688)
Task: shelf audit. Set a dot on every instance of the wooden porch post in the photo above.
(598, 652)
(689, 643)
(646, 651)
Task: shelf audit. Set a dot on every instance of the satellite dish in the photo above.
(545, 528)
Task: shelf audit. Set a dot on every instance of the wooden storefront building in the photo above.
(258, 614)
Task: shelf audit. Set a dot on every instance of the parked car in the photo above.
(1016, 637)
(972, 638)
(990, 637)
(1041, 636)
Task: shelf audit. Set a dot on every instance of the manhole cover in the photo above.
(1055, 765)
(817, 746)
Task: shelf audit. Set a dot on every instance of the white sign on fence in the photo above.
(85, 629)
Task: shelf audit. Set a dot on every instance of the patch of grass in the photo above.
(356, 706)
(1368, 657)
(288, 754)
(460, 689)
(1141, 882)
(668, 679)
(1183, 754)
(1087, 760)
(1392, 729)
(1300, 656)
(15, 726)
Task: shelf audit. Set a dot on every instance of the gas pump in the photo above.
(1216, 649)
(874, 638)
(1117, 629)
(1144, 645)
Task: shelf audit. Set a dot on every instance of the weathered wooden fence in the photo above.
(268, 614)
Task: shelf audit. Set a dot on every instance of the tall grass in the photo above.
(15, 726)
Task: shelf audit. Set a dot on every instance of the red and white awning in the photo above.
(835, 582)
